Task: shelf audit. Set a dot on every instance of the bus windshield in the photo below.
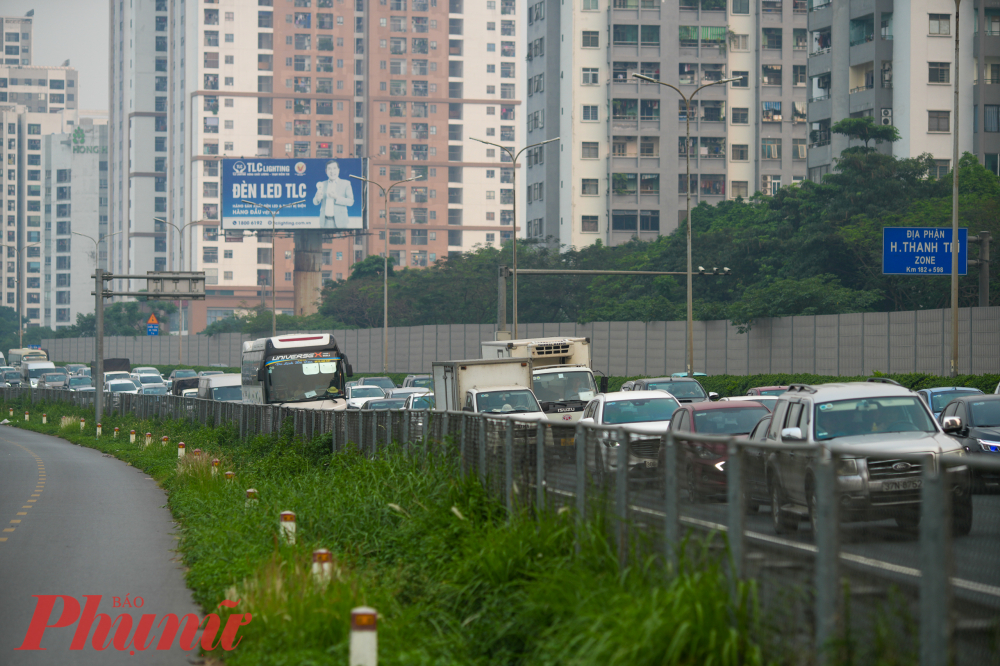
(300, 380)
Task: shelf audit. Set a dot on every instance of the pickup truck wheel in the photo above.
(961, 518)
(782, 523)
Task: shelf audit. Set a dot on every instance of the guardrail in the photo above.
(828, 577)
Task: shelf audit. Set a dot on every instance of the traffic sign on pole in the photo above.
(922, 251)
(152, 329)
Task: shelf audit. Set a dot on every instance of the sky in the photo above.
(73, 29)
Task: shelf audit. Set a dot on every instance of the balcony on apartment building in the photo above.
(635, 151)
(648, 10)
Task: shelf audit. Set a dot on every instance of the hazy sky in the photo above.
(71, 29)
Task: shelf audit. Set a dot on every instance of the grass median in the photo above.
(454, 578)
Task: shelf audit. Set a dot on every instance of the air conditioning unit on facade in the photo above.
(886, 116)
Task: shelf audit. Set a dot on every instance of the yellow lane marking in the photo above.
(35, 495)
(32, 500)
(14, 522)
(22, 513)
(8, 529)
(3, 538)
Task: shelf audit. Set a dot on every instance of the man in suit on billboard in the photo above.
(334, 196)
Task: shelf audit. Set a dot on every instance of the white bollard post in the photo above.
(131, 436)
(83, 423)
(287, 525)
(116, 432)
(98, 429)
(230, 476)
(215, 466)
(251, 498)
(180, 450)
(322, 568)
(196, 452)
(149, 438)
(165, 440)
(11, 412)
(45, 418)
(26, 416)
(364, 637)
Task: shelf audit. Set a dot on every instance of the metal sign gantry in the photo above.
(161, 286)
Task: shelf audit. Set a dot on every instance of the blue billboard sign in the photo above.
(922, 251)
(322, 194)
(152, 329)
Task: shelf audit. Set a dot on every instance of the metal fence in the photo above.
(837, 345)
(918, 583)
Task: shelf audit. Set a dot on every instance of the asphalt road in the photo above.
(74, 523)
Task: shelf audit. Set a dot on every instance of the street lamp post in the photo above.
(954, 213)
(385, 269)
(513, 160)
(273, 210)
(180, 314)
(98, 378)
(687, 188)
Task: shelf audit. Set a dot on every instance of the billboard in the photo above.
(922, 251)
(329, 199)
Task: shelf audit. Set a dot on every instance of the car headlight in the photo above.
(847, 467)
(989, 445)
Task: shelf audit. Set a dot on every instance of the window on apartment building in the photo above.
(939, 121)
(940, 169)
(590, 76)
(939, 72)
(590, 151)
(589, 187)
(210, 255)
(590, 114)
(740, 188)
(770, 149)
(741, 152)
(940, 24)
(591, 39)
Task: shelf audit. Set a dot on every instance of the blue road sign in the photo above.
(152, 329)
(922, 251)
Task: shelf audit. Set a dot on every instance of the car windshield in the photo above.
(564, 386)
(209, 373)
(773, 391)
(638, 410)
(507, 402)
(154, 390)
(84, 372)
(381, 382)
(296, 380)
(680, 389)
(423, 402)
(12, 376)
(60, 371)
(423, 382)
(53, 377)
(867, 416)
(184, 374)
(366, 392)
(227, 393)
(985, 413)
(728, 421)
(35, 373)
(385, 404)
(109, 376)
(118, 387)
(940, 400)
(150, 379)
(79, 381)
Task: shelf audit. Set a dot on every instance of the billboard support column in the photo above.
(308, 266)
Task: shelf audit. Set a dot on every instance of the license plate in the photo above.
(651, 463)
(911, 484)
(567, 441)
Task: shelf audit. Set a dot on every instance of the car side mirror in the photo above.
(349, 368)
(587, 420)
(713, 396)
(952, 424)
(604, 384)
(792, 434)
(466, 409)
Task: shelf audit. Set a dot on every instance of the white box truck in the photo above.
(494, 386)
(561, 376)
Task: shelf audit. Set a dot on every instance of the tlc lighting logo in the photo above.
(117, 632)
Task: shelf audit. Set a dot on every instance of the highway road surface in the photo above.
(76, 522)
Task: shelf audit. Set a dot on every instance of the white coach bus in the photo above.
(301, 370)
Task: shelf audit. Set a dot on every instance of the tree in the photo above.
(372, 266)
(865, 129)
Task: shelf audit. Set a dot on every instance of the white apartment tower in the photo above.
(615, 174)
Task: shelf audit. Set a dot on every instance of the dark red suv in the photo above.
(705, 464)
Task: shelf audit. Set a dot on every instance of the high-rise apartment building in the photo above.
(897, 65)
(17, 42)
(35, 102)
(615, 175)
(399, 82)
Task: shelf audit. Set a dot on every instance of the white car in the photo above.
(147, 380)
(116, 375)
(407, 392)
(648, 412)
(359, 395)
(120, 386)
(419, 401)
(145, 370)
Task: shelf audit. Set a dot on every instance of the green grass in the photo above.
(454, 578)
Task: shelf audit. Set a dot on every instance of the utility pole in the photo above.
(98, 344)
(954, 211)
